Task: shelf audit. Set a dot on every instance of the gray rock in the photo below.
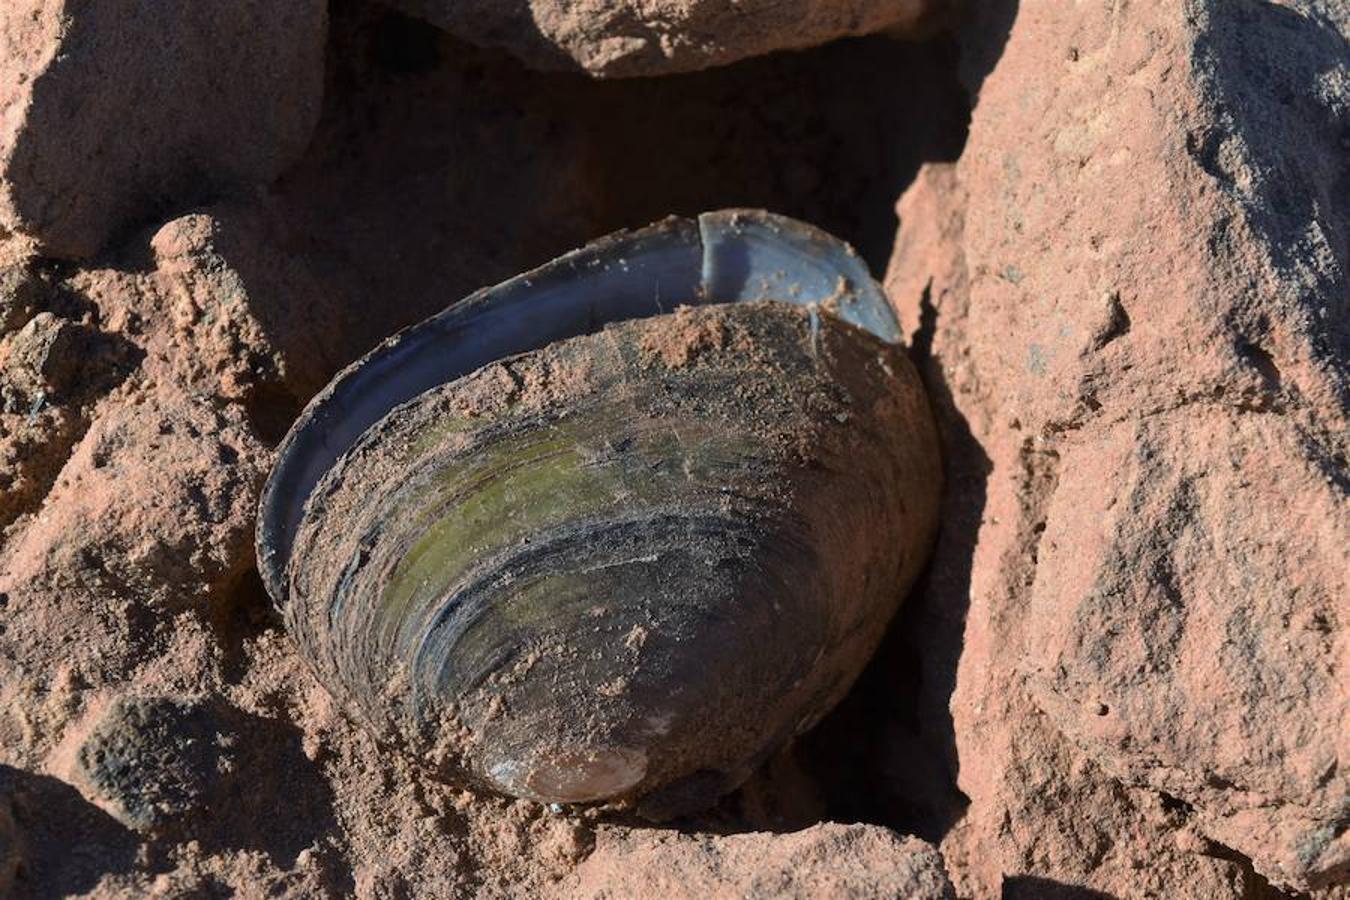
(48, 352)
(54, 360)
(21, 293)
(151, 762)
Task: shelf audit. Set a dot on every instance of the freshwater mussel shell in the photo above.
(727, 256)
(623, 565)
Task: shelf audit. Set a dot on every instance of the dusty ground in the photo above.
(1117, 235)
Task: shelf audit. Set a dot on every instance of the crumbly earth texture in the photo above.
(1120, 265)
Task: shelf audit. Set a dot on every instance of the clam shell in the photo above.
(556, 547)
(728, 256)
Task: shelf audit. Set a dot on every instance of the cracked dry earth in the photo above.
(1116, 235)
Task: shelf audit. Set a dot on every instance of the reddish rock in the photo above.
(112, 112)
(1137, 309)
(156, 500)
(826, 861)
(1195, 564)
(626, 38)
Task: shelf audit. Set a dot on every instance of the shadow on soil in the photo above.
(53, 842)
(887, 754)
